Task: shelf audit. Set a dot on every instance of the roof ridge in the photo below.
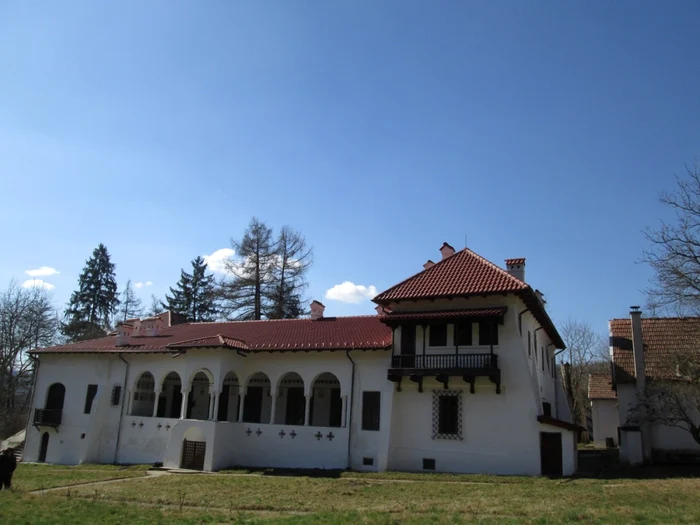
(683, 318)
(201, 323)
(494, 265)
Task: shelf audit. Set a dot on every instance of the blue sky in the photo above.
(542, 130)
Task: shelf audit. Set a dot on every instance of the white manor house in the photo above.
(455, 373)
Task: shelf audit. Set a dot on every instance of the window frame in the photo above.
(464, 327)
(89, 398)
(438, 433)
(432, 333)
(371, 412)
(491, 333)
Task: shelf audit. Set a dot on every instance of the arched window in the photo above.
(144, 396)
(229, 398)
(170, 399)
(257, 404)
(199, 397)
(55, 397)
(290, 404)
(326, 403)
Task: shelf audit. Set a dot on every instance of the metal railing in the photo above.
(48, 417)
(446, 361)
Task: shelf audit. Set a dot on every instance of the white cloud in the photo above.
(37, 283)
(43, 271)
(141, 285)
(149, 283)
(216, 262)
(349, 292)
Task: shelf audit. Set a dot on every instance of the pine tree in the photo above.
(195, 296)
(288, 276)
(131, 305)
(92, 305)
(244, 294)
(155, 308)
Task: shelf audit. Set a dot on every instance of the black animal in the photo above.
(8, 464)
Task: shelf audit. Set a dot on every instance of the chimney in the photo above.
(123, 334)
(428, 264)
(446, 250)
(540, 296)
(317, 309)
(638, 347)
(380, 310)
(516, 267)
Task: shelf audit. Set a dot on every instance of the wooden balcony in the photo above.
(444, 366)
(47, 417)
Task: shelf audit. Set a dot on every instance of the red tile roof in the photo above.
(665, 339)
(448, 314)
(518, 260)
(328, 333)
(466, 274)
(600, 386)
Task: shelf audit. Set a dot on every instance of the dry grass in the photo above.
(30, 476)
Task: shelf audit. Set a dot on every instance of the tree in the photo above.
(195, 296)
(130, 306)
(155, 308)
(92, 305)
(27, 320)
(292, 260)
(674, 252)
(586, 352)
(251, 273)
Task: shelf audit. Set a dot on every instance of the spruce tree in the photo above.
(194, 296)
(131, 305)
(288, 276)
(92, 305)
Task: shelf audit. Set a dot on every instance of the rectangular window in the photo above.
(542, 350)
(89, 396)
(547, 409)
(368, 462)
(438, 335)
(116, 396)
(463, 333)
(529, 344)
(488, 333)
(447, 414)
(371, 404)
(408, 339)
(428, 464)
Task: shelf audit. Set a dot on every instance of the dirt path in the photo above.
(149, 475)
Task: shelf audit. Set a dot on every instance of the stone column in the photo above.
(241, 400)
(215, 407)
(344, 423)
(273, 396)
(155, 404)
(183, 406)
(307, 414)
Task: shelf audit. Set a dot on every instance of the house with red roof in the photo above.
(455, 373)
(652, 350)
(604, 414)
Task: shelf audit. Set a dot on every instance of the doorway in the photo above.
(550, 454)
(193, 454)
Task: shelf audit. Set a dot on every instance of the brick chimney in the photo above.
(638, 347)
(317, 309)
(516, 267)
(446, 250)
(428, 264)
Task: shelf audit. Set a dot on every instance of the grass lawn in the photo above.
(358, 498)
(30, 477)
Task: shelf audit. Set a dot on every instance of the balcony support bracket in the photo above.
(470, 380)
(417, 379)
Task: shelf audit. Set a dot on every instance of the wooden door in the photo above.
(551, 454)
(193, 454)
(44, 447)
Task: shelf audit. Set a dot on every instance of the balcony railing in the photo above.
(446, 361)
(48, 417)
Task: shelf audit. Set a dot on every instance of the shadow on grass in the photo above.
(605, 464)
(286, 472)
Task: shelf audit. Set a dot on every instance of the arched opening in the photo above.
(326, 403)
(144, 396)
(55, 397)
(229, 398)
(257, 404)
(170, 399)
(199, 399)
(44, 447)
(290, 404)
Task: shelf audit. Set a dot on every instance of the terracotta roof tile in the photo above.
(464, 273)
(517, 260)
(600, 386)
(328, 333)
(665, 338)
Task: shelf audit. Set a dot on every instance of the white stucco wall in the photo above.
(604, 414)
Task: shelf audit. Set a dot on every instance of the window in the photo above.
(428, 464)
(529, 344)
(438, 335)
(89, 396)
(547, 409)
(371, 403)
(368, 462)
(488, 333)
(463, 333)
(447, 414)
(542, 350)
(116, 395)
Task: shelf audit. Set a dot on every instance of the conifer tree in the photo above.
(92, 305)
(288, 277)
(194, 296)
(130, 305)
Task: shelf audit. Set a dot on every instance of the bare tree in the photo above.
(129, 305)
(155, 308)
(674, 252)
(586, 352)
(28, 320)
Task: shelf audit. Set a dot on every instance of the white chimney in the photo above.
(446, 250)
(123, 334)
(317, 309)
(638, 347)
(516, 267)
(428, 264)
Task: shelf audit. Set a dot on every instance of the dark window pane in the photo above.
(91, 393)
(408, 340)
(488, 333)
(116, 395)
(438, 335)
(449, 406)
(371, 403)
(529, 344)
(463, 334)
